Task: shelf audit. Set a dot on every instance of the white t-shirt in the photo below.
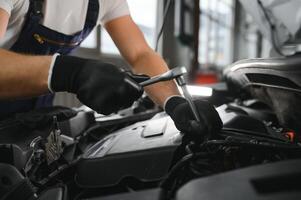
(64, 16)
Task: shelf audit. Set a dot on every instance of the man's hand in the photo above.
(99, 85)
(179, 110)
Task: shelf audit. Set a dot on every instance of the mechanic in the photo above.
(35, 38)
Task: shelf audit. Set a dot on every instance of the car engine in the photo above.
(60, 153)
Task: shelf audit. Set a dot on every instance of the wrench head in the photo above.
(178, 71)
(169, 75)
(173, 73)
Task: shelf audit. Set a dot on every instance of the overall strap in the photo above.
(35, 11)
(37, 6)
(92, 13)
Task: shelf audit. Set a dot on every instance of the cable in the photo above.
(273, 29)
(168, 5)
(174, 170)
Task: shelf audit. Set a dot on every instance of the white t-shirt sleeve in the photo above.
(7, 5)
(112, 9)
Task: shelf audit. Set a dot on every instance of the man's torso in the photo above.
(64, 16)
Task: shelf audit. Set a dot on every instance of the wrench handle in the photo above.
(181, 82)
(135, 80)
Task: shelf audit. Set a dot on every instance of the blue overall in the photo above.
(36, 39)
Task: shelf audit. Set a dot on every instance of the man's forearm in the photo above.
(141, 57)
(151, 64)
(23, 75)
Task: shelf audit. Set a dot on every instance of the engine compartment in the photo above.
(61, 153)
(147, 156)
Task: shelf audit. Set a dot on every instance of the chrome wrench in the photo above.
(178, 74)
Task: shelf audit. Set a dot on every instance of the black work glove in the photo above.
(179, 110)
(101, 86)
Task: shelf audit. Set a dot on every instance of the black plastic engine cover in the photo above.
(56, 193)
(273, 181)
(143, 151)
(151, 194)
